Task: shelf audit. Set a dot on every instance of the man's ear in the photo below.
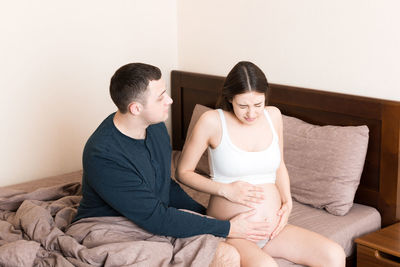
(135, 108)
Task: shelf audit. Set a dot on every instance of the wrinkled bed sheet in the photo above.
(36, 230)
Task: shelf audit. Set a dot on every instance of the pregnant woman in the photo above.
(244, 140)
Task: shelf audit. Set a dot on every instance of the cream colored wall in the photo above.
(343, 46)
(56, 59)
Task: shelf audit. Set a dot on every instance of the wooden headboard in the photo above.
(379, 186)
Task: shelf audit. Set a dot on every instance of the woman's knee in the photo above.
(226, 255)
(335, 256)
(266, 261)
(261, 259)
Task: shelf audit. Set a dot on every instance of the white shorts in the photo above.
(262, 243)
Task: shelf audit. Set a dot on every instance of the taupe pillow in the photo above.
(203, 166)
(324, 163)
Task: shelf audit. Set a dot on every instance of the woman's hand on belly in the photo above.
(243, 193)
(283, 215)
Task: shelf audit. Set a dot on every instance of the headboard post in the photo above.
(390, 164)
(176, 109)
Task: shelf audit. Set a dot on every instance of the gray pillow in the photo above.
(324, 163)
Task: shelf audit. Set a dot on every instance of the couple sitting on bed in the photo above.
(127, 165)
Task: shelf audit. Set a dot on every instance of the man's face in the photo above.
(157, 102)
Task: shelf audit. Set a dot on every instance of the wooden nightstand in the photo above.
(380, 248)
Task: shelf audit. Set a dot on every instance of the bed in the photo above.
(34, 216)
(376, 201)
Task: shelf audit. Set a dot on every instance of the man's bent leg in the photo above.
(225, 256)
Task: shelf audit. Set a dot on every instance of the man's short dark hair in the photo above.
(129, 83)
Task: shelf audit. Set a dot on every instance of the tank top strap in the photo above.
(223, 122)
(274, 133)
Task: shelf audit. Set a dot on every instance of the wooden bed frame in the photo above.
(379, 186)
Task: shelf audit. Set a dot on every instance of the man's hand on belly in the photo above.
(242, 227)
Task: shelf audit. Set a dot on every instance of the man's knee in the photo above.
(225, 255)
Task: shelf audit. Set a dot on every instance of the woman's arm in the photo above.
(282, 176)
(208, 132)
(195, 145)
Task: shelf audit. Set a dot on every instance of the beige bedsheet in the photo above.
(36, 230)
(342, 229)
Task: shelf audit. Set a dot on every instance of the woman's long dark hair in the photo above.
(244, 77)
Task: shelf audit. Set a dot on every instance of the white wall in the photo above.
(56, 59)
(343, 46)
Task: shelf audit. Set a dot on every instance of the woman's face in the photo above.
(248, 106)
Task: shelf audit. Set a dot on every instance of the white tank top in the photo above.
(228, 163)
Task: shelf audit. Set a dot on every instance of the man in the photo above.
(126, 168)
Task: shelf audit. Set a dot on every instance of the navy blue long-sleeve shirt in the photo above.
(128, 177)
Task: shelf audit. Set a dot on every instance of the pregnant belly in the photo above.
(223, 209)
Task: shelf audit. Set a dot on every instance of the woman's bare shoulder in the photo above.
(209, 119)
(274, 112)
